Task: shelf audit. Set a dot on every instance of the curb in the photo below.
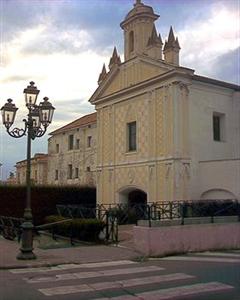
(57, 263)
(37, 265)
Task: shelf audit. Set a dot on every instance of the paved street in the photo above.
(202, 276)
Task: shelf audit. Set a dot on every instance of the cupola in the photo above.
(138, 26)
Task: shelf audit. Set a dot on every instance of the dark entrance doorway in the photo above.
(137, 197)
(137, 204)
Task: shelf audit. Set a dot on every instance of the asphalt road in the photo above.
(203, 276)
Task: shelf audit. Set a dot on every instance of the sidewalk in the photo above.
(50, 257)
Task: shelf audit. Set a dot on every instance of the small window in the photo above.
(132, 136)
(35, 175)
(89, 141)
(218, 127)
(88, 169)
(57, 148)
(77, 143)
(131, 41)
(70, 142)
(76, 172)
(70, 171)
(56, 174)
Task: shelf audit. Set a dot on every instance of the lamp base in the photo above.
(26, 255)
(26, 250)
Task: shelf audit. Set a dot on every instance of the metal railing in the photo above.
(76, 211)
(115, 214)
(154, 210)
(10, 227)
(51, 227)
(111, 228)
(99, 212)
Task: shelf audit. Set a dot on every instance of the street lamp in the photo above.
(1, 173)
(38, 119)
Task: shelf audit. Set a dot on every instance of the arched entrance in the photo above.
(137, 197)
(132, 195)
(135, 203)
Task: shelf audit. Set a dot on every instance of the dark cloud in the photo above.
(226, 67)
(19, 15)
(100, 18)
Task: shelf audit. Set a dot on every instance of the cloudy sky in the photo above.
(62, 44)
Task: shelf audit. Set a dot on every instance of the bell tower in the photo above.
(138, 27)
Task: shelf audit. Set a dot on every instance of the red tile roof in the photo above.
(83, 121)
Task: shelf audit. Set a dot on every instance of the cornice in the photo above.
(219, 160)
(216, 82)
(139, 16)
(141, 85)
(146, 162)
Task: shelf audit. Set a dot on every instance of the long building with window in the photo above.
(72, 153)
(39, 170)
(163, 132)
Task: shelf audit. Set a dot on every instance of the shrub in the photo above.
(82, 229)
(43, 200)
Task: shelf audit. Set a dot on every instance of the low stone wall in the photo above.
(166, 240)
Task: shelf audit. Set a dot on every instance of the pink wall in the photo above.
(185, 238)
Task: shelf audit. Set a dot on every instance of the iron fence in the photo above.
(10, 227)
(204, 208)
(160, 210)
(116, 214)
(51, 227)
(100, 212)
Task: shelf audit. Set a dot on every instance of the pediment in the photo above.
(128, 74)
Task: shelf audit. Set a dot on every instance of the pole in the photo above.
(0, 173)
(26, 250)
(28, 175)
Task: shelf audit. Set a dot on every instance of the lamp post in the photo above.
(38, 119)
(1, 173)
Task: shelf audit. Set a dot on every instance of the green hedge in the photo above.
(43, 200)
(82, 229)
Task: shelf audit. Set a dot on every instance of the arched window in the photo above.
(131, 41)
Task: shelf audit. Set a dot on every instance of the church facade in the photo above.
(163, 132)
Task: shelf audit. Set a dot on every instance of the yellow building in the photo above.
(39, 169)
(163, 133)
